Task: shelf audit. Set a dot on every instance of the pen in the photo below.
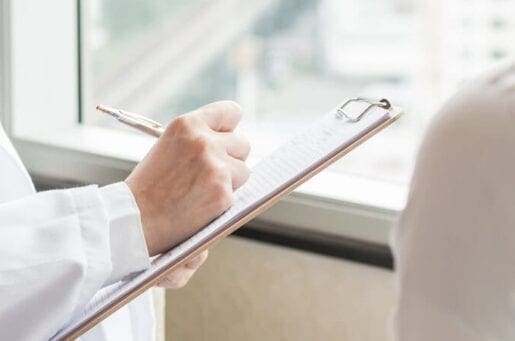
(140, 122)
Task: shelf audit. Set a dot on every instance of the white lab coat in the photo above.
(455, 245)
(58, 248)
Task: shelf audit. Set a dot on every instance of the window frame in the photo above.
(52, 143)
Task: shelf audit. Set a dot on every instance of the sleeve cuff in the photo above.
(128, 247)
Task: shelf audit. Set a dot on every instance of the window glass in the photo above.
(287, 61)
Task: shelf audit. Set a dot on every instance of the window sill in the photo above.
(331, 202)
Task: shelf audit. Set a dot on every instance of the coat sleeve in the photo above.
(57, 249)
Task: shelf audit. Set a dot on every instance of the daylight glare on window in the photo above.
(288, 61)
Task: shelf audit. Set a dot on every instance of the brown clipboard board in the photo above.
(340, 112)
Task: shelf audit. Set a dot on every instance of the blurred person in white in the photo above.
(455, 245)
(58, 248)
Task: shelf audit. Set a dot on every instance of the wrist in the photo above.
(147, 218)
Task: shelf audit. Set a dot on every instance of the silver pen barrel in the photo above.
(138, 122)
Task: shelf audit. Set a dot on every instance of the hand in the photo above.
(188, 177)
(180, 277)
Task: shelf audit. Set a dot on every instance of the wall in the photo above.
(249, 290)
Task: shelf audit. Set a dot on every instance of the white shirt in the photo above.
(58, 248)
(455, 245)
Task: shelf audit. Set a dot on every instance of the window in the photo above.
(285, 61)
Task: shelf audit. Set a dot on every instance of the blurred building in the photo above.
(369, 39)
(469, 36)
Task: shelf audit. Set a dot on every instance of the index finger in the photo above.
(221, 116)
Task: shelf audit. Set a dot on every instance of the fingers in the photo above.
(177, 279)
(237, 149)
(221, 116)
(181, 276)
(197, 261)
(236, 145)
(239, 172)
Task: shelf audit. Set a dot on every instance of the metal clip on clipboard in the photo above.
(340, 111)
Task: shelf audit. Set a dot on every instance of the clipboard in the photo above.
(356, 120)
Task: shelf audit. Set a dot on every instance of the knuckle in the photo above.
(181, 125)
(222, 197)
(178, 125)
(246, 172)
(246, 144)
(243, 169)
(242, 142)
(243, 175)
(200, 144)
(215, 172)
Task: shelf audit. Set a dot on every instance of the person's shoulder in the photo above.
(479, 117)
(487, 100)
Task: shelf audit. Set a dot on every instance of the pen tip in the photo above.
(108, 110)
